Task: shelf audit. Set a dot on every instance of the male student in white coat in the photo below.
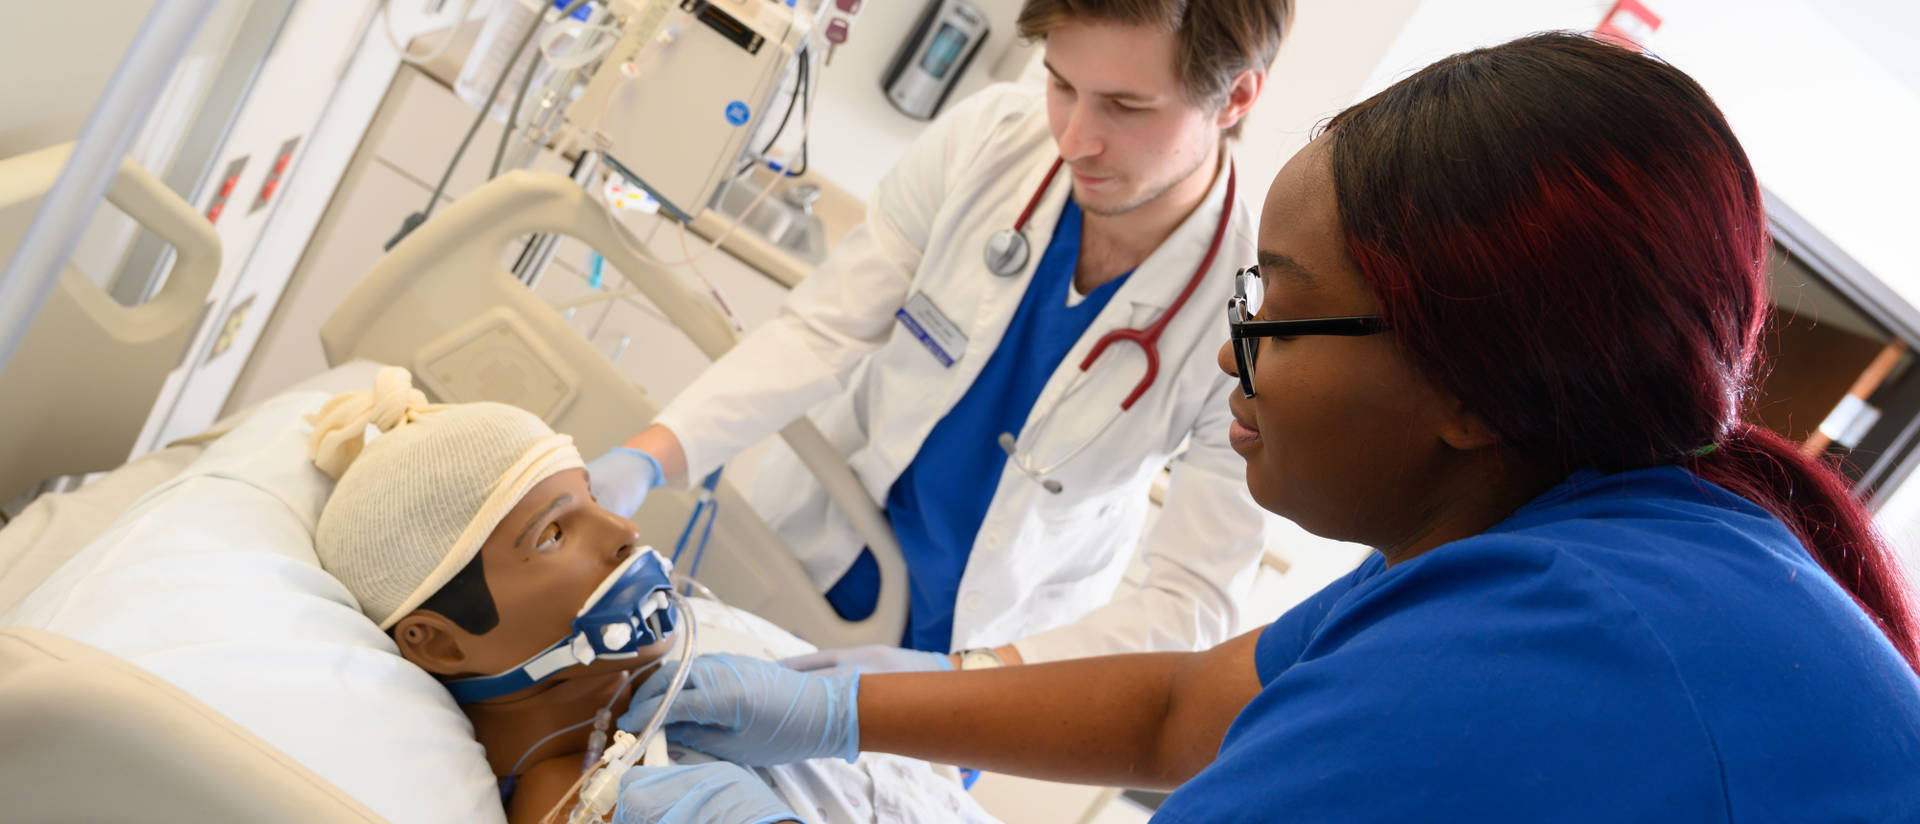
(914, 348)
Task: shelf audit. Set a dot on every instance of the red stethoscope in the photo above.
(1007, 252)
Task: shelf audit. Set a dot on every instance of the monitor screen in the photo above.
(942, 51)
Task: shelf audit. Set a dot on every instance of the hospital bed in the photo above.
(92, 737)
(244, 683)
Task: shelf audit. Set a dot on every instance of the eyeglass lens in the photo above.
(1252, 292)
(1253, 289)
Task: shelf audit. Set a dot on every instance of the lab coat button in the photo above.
(973, 602)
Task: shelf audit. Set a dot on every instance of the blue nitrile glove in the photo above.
(754, 712)
(713, 793)
(868, 659)
(621, 479)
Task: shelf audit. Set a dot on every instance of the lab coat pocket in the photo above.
(1083, 541)
(1059, 604)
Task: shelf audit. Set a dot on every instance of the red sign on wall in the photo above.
(1628, 23)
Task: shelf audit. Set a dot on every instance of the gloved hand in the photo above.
(754, 712)
(868, 659)
(621, 479)
(713, 793)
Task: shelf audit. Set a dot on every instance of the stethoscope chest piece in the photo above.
(1006, 252)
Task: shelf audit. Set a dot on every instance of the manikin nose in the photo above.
(621, 537)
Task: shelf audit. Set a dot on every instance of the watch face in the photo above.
(978, 659)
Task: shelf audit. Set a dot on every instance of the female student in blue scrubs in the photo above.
(1599, 593)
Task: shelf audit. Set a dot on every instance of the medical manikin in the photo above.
(467, 532)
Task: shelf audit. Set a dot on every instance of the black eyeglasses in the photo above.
(1248, 293)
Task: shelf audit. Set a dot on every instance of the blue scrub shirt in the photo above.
(940, 499)
(1644, 646)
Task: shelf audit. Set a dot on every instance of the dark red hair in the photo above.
(1566, 236)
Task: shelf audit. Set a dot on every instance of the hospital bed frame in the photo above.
(91, 737)
(442, 305)
(77, 391)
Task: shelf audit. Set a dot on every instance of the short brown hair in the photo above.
(1215, 40)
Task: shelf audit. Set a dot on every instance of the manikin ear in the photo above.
(1464, 430)
(432, 642)
(1240, 98)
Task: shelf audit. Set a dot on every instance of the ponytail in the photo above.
(1814, 501)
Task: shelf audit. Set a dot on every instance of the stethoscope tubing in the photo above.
(1147, 339)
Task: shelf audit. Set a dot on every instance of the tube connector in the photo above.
(599, 796)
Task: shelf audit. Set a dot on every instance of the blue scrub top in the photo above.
(1644, 646)
(940, 499)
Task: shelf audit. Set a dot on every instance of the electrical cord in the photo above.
(806, 115)
(414, 220)
(513, 115)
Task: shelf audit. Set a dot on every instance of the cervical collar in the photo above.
(629, 610)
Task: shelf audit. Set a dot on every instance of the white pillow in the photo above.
(210, 582)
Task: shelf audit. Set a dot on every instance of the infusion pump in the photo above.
(687, 83)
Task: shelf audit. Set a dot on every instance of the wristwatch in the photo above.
(980, 658)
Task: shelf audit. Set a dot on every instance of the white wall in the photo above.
(1442, 27)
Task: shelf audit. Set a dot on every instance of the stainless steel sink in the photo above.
(783, 218)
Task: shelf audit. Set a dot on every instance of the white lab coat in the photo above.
(1044, 567)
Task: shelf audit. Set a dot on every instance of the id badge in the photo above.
(931, 326)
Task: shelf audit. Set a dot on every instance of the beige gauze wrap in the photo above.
(420, 486)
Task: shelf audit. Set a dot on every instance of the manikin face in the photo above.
(1119, 115)
(541, 563)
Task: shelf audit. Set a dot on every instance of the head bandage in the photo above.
(420, 486)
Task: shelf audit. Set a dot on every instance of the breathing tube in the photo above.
(598, 789)
(631, 609)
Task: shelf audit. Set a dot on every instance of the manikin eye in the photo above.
(549, 539)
